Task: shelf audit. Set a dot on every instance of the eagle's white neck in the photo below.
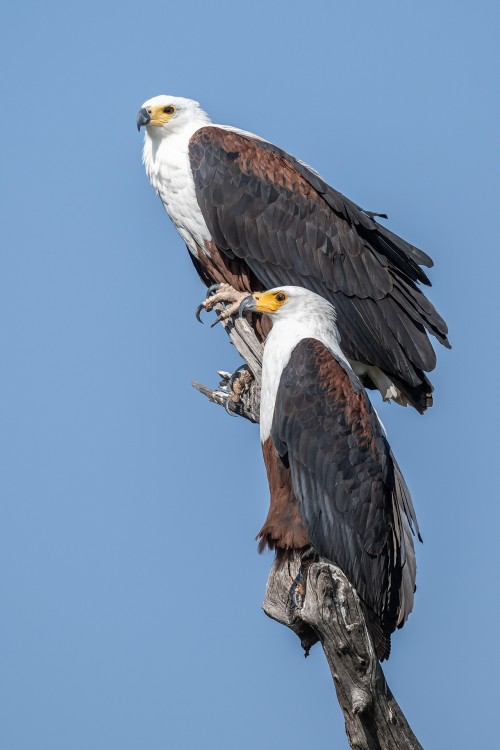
(166, 159)
(286, 333)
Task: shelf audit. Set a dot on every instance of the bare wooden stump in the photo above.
(330, 612)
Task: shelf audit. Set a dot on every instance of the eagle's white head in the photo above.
(296, 313)
(164, 115)
(292, 303)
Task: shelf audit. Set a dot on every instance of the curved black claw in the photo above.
(198, 311)
(229, 411)
(235, 376)
(212, 290)
(218, 319)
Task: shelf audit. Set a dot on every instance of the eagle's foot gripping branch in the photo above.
(297, 593)
(239, 383)
(221, 294)
(298, 589)
(234, 387)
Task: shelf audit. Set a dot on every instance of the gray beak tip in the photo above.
(143, 118)
(246, 305)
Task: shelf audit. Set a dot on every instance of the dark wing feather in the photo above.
(351, 495)
(271, 211)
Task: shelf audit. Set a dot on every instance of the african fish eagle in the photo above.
(252, 216)
(334, 483)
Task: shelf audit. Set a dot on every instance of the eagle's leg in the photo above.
(225, 294)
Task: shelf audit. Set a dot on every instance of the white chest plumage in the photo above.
(167, 165)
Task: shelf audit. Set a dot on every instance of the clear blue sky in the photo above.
(130, 583)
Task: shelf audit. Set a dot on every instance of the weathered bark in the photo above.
(330, 611)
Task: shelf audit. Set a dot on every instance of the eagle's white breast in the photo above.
(168, 168)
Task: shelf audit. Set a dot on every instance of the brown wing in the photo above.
(352, 499)
(276, 215)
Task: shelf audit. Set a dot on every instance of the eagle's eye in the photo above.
(280, 297)
(169, 110)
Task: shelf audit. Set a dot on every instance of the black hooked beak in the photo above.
(143, 118)
(249, 304)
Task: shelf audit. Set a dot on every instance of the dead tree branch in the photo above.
(250, 349)
(330, 611)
